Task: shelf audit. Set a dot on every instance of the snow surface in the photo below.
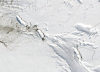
(86, 29)
(49, 36)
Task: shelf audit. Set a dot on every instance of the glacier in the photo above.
(49, 36)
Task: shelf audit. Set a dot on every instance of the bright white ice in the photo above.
(49, 36)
